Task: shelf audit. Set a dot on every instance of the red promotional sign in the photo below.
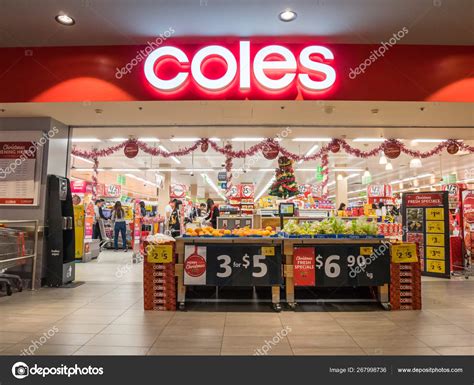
(304, 266)
(246, 190)
(425, 200)
(178, 190)
(109, 190)
(131, 150)
(14, 150)
(80, 187)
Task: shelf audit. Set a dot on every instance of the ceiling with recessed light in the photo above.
(27, 23)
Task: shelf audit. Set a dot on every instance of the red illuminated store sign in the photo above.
(216, 68)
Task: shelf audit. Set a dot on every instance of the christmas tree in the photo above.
(285, 185)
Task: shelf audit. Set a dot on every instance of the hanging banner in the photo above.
(178, 190)
(426, 217)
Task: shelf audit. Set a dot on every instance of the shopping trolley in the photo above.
(12, 250)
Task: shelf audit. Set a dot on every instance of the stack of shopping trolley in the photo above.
(12, 252)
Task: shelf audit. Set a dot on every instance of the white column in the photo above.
(341, 189)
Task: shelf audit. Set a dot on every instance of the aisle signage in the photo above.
(160, 254)
(404, 253)
(426, 220)
(342, 265)
(233, 265)
(216, 68)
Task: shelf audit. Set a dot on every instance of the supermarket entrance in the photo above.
(196, 176)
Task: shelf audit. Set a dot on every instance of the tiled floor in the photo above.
(105, 317)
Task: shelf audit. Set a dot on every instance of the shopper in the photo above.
(98, 216)
(342, 207)
(212, 213)
(142, 209)
(168, 211)
(174, 222)
(120, 225)
(202, 209)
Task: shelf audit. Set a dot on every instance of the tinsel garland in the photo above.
(95, 178)
(228, 169)
(228, 152)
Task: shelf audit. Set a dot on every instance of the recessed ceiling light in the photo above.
(65, 19)
(287, 15)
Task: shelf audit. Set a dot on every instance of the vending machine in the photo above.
(59, 232)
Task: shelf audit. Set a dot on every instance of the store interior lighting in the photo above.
(311, 140)
(241, 139)
(310, 152)
(163, 148)
(388, 166)
(85, 140)
(287, 15)
(141, 180)
(149, 140)
(82, 159)
(265, 189)
(213, 186)
(416, 163)
(369, 140)
(383, 159)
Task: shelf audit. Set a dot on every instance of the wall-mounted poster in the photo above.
(17, 173)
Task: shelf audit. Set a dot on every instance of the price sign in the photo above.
(435, 252)
(435, 240)
(404, 253)
(435, 214)
(239, 265)
(435, 227)
(346, 265)
(433, 266)
(160, 254)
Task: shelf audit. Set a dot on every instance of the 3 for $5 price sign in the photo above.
(233, 265)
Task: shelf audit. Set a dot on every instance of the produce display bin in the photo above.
(229, 261)
(336, 263)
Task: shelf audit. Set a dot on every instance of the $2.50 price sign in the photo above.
(234, 265)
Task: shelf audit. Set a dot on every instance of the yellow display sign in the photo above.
(366, 250)
(79, 216)
(435, 227)
(433, 266)
(404, 253)
(160, 254)
(435, 240)
(435, 214)
(435, 252)
(268, 251)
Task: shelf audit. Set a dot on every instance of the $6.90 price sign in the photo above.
(243, 265)
(351, 265)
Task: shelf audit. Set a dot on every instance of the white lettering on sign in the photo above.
(274, 68)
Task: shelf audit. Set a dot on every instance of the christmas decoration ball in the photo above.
(335, 147)
(131, 150)
(452, 148)
(392, 150)
(204, 146)
(270, 152)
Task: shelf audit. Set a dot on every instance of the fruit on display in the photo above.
(240, 232)
(331, 225)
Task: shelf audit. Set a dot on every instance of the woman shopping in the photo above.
(212, 213)
(120, 225)
(175, 221)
